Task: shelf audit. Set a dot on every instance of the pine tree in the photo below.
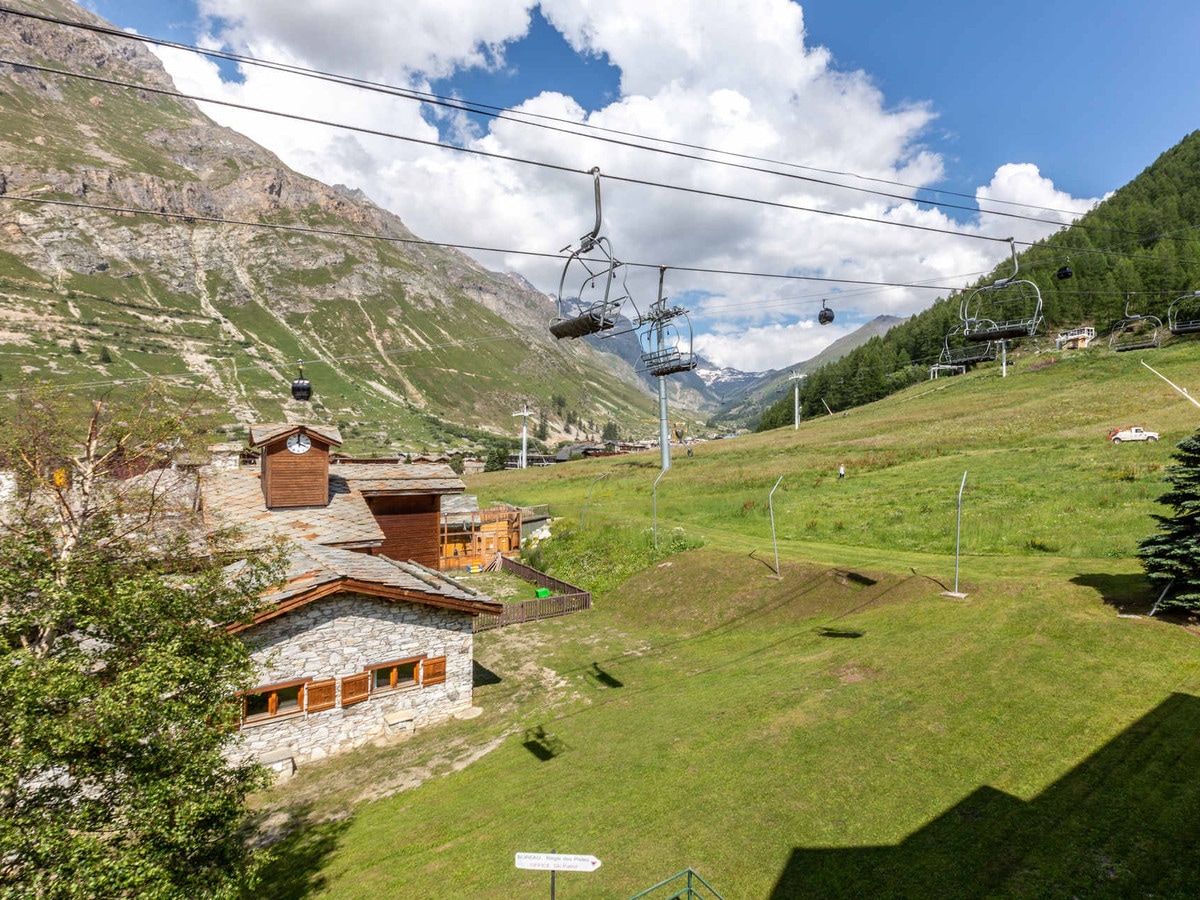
(1174, 551)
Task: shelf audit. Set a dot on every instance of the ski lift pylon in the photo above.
(1136, 332)
(1183, 317)
(666, 347)
(301, 386)
(1006, 309)
(602, 308)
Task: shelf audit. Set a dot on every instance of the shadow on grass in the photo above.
(855, 577)
(482, 675)
(295, 869)
(1125, 822)
(825, 631)
(600, 678)
(542, 744)
(1129, 594)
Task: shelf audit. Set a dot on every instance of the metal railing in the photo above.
(567, 599)
(686, 885)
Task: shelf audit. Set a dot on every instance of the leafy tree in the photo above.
(1174, 551)
(117, 676)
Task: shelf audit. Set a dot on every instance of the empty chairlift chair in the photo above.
(1184, 315)
(1136, 332)
(1004, 310)
(956, 353)
(596, 305)
(667, 340)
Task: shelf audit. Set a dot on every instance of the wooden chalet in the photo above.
(365, 639)
(297, 491)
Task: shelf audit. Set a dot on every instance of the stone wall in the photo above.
(343, 635)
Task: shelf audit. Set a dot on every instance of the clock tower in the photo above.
(294, 463)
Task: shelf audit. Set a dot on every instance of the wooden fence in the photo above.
(567, 599)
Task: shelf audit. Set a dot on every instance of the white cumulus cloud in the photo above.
(706, 73)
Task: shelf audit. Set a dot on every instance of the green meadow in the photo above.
(832, 724)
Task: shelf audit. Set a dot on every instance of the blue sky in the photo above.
(1046, 105)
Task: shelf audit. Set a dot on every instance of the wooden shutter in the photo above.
(355, 688)
(320, 695)
(433, 671)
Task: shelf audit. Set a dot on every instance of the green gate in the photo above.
(686, 885)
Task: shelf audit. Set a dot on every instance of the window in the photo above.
(272, 701)
(398, 674)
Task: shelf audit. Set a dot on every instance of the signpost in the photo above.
(557, 862)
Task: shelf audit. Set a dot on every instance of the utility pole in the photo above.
(525, 413)
(796, 377)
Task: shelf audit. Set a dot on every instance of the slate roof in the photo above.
(235, 498)
(264, 434)
(315, 571)
(403, 478)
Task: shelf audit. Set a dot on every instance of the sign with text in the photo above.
(558, 862)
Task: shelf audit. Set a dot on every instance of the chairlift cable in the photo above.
(426, 142)
(524, 117)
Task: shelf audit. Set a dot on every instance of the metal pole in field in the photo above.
(589, 498)
(525, 413)
(771, 507)
(664, 433)
(958, 536)
(796, 377)
(656, 480)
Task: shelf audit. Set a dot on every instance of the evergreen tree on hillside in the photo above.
(1174, 551)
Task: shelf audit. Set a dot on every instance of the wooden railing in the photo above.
(567, 599)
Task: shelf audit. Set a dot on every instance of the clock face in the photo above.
(299, 443)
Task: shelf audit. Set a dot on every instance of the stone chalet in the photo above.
(364, 640)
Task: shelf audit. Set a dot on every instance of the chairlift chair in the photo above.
(1006, 309)
(598, 306)
(301, 386)
(954, 354)
(1183, 317)
(666, 347)
(1136, 332)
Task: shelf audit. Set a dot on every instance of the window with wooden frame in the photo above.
(273, 700)
(399, 673)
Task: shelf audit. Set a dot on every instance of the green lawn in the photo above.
(841, 729)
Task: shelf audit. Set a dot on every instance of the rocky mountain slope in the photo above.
(139, 239)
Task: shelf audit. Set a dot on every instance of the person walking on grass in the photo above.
(841, 471)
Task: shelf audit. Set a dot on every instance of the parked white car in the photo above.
(1136, 433)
